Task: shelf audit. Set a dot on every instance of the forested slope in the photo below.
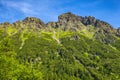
(74, 48)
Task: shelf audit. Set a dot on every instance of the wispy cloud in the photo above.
(48, 10)
(26, 8)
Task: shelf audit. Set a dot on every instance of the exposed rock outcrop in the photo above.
(6, 24)
(31, 22)
(68, 21)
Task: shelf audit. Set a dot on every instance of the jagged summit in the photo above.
(87, 20)
(33, 21)
(5, 24)
(103, 31)
(65, 19)
(70, 19)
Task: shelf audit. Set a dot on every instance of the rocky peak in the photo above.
(30, 22)
(33, 22)
(68, 17)
(5, 24)
(69, 21)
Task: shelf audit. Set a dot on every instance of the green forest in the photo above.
(52, 53)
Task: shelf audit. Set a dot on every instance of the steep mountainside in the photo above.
(73, 48)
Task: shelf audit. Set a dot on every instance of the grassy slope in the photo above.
(75, 57)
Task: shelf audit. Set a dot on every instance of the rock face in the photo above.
(107, 28)
(31, 22)
(6, 24)
(69, 21)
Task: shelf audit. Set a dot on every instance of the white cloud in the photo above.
(45, 9)
(26, 8)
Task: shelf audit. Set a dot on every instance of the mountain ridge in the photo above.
(103, 31)
(87, 20)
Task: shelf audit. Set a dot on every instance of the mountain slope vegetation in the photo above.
(74, 48)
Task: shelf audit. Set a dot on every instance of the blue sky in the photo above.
(49, 10)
